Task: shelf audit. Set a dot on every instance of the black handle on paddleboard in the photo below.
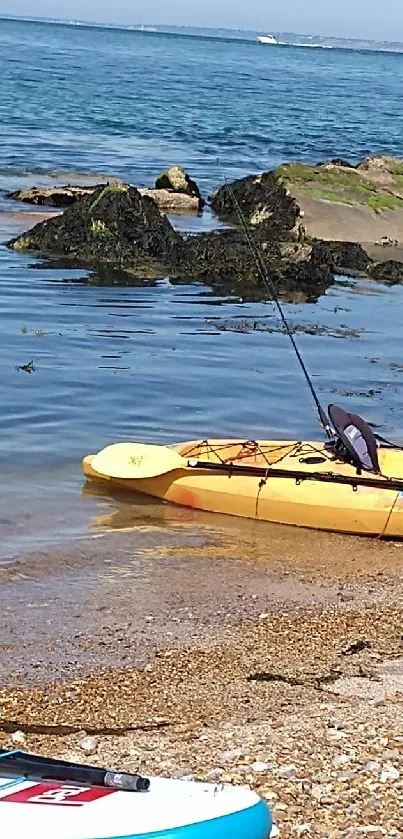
(36, 767)
(125, 781)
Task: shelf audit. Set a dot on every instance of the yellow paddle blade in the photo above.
(136, 460)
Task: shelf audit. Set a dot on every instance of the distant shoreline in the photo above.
(288, 39)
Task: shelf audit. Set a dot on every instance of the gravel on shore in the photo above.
(305, 705)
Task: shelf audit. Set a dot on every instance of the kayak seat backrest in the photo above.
(357, 438)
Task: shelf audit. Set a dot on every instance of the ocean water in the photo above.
(158, 361)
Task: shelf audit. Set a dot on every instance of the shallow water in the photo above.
(158, 361)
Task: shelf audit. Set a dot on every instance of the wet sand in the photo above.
(15, 222)
(343, 223)
(136, 583)
(220, 649)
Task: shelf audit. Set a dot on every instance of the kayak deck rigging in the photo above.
(302, 483)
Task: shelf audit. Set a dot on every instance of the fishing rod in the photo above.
(271, 289)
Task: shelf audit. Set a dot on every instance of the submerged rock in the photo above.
(54, 196)
(176, 179)
(227, 259)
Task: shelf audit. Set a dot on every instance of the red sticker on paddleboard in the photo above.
(65, 796)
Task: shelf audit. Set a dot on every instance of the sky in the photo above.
(346, 18)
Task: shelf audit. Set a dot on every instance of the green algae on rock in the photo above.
(23, 243)
(333, 201)
(374, 182)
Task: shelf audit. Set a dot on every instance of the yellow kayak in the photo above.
(289, 482)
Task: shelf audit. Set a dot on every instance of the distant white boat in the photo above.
(267, 39)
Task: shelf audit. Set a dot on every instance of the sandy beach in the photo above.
(262, 655)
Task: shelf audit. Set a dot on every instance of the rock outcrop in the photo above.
(383, 171)
(117, 226)
(345, 203)
(226, 259)
(390, 272)
(114, 224)
(63, 196)
(344, 257)
(274, 219)
(175, 179)
(333, 201)
(173, 202)
(55, 196)
(262, 200)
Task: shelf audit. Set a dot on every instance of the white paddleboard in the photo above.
(170, 809)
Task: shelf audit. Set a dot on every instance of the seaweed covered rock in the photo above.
(177, 180)
(114, 224)
(390, 272)
(262, 199)
(118, 227)
(332, 201)
(346, 257)
(226, 258)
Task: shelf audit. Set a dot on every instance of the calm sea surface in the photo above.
(161, 362)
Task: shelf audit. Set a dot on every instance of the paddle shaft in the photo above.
(35, 767)
(297, 474)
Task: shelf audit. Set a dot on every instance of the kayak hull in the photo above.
(332, 506)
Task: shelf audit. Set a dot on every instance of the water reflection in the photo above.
(121, 510)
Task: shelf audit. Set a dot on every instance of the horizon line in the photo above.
(128, 26)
